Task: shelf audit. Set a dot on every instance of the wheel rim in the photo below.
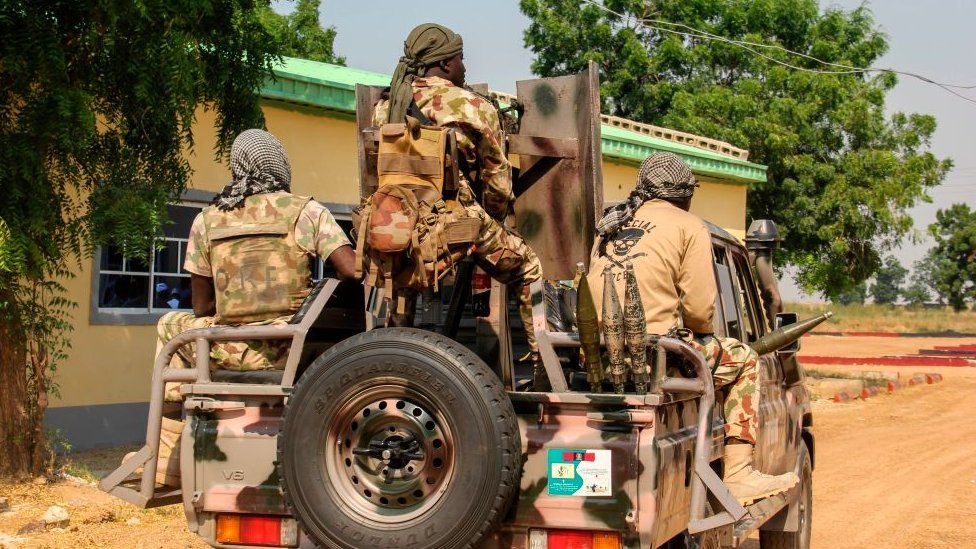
(393, 453)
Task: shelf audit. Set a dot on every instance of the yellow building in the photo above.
(309, 106)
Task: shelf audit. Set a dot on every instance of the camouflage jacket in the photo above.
(479, 135)
(258, 255)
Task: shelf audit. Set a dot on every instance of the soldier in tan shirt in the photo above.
(671, 251)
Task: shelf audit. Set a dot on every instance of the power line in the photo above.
(748, 46)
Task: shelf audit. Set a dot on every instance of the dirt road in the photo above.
(899, 470)
(895, 471)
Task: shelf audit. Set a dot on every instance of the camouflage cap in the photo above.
(665, 175)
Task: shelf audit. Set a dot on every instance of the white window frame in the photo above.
(148, 314)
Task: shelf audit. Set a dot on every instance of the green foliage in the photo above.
(299, 33)
(97, 100)
(842, 175)
(953, 258)
(921, 288)
(888, 280)
(855, 295)
(917, 293)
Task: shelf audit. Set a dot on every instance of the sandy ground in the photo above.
(899, 470)
(873, 346)
(895, 471)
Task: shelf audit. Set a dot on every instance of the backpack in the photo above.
(410, 231)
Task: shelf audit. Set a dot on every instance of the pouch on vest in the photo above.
(407, 232)
(412, 154)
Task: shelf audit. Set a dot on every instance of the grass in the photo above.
(92, 465)
(887, 318)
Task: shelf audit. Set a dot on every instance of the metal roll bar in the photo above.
(201, 338)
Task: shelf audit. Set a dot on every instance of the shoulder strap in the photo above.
(414, 111)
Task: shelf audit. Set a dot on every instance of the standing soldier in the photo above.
(248, 255)
(671, 253)
(429, 83)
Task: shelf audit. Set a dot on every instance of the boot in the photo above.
(540, 380)
(747, 484)
(168, 461)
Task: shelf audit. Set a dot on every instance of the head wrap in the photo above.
(258, 164)
(426, 44)
(662, 175)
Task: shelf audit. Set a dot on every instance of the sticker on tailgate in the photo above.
(575, 472)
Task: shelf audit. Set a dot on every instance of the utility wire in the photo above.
(748, 46)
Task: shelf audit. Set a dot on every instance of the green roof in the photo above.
(333, 87)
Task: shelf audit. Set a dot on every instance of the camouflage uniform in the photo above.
(500, 251)
(258, 256)
(738, 366)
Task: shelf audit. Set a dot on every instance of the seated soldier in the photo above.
(249, 257)
(429, 79)
(671, 251)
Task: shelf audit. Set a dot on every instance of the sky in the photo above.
(934, 38)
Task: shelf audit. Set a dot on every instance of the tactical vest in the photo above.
(259, 271)
(411, 229)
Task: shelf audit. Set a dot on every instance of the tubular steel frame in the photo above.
(146, 495)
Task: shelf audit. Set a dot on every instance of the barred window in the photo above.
(133, 285)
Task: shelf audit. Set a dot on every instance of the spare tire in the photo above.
(399, 437)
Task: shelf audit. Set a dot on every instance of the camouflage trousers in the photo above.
(502, 253)
(738, 365)
(226, 355)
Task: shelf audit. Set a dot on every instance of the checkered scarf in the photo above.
(258, 164)
(662, 175)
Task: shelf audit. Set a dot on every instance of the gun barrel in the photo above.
(777, 339)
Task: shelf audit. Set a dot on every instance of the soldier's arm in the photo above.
(318, 234)
(343, 260)
(478, 120)
(202, 295)
(696, 283)
(197, 263)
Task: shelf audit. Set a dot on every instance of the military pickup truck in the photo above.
(403, 437)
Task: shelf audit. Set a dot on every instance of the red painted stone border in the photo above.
(892, 386)
(888, 360)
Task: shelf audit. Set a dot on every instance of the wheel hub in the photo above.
(394, 453)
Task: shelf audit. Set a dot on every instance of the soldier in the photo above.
(671, 252)
(429, 80)
(249, 257)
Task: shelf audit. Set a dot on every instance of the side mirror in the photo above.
(785, 319)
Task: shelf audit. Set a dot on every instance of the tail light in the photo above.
(261, 530)
(480, 293)
(573, 539)
(480, 281)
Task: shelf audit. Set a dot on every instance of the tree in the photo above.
(98, 99)
(888, 280)
(852, 296)
(917, 293)
(299, 33)
(953, 258)
(921, 289)
(841, 174)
